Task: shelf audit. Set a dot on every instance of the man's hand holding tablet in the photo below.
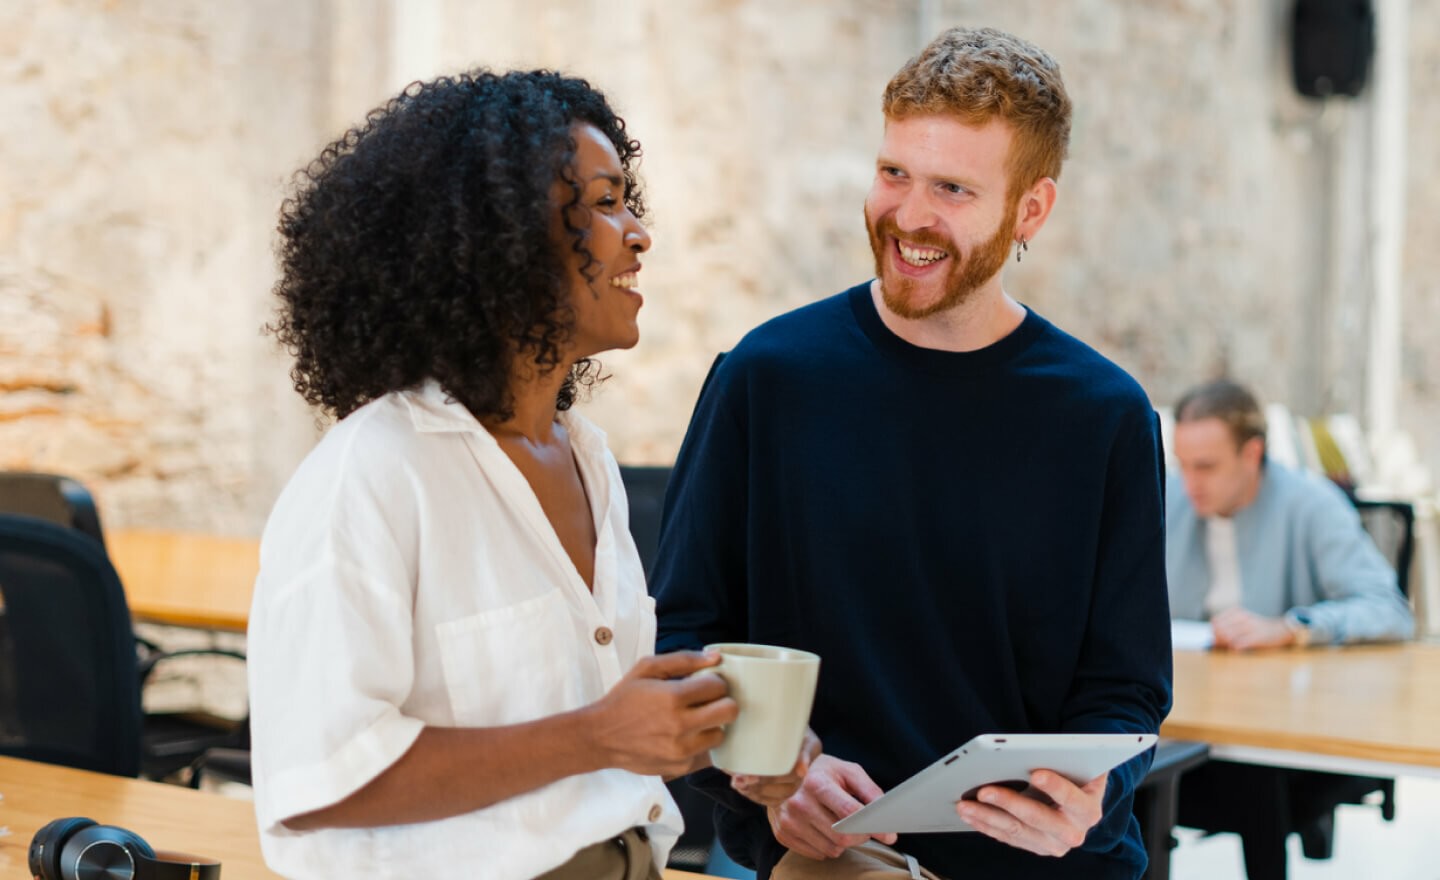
(1048, 827)
(1035, 791)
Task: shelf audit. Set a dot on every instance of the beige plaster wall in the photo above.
(145, 144)
(1420, 348)
(1205, 217)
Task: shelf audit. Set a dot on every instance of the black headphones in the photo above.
(79, 849)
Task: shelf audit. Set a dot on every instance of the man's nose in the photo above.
(1192, 486)
(915, 211)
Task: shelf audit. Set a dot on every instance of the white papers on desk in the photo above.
(1191, 635)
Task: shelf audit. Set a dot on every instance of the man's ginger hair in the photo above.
(977, 75)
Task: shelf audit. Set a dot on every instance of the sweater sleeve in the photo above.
(1361, 599)
(699, 575)
(1122, 681)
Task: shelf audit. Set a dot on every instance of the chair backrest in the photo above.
(645, 488)
(52, 498)
(69, 688)
(1391, 525)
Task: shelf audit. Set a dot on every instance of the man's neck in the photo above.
(1251, 493)
(983, 319)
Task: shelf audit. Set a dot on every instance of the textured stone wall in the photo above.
(1420, 348)
(144, 150)
(759, 127)
(1206, 220)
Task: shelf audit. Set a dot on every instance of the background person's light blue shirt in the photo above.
(1303, 553)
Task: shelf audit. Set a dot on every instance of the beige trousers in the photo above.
(870, 860)
(626, 857)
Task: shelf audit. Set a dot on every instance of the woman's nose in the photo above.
(638, 238)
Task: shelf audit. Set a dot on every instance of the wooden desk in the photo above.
(1367, 710)
(184, 578)
(167, 816)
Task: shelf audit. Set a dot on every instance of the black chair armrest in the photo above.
(228, 764)
(1173, 757)
(151, 660)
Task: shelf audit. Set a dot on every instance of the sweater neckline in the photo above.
(936, 360)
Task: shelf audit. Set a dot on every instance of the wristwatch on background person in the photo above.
(1299, 625)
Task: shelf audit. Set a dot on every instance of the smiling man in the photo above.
(952, 501)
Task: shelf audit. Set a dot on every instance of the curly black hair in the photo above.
(418, 245)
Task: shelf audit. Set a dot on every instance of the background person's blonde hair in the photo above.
(1230, 402)
(981, 74)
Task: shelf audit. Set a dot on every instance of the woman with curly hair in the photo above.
(451, 643)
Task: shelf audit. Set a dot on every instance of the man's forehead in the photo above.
(992, 126)
(941, 141)
(1207, 433)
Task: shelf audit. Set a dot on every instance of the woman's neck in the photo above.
(533, 394)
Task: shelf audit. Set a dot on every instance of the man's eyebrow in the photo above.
(968, 183)
(965, 182)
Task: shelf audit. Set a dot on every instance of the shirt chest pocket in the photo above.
(513, 664)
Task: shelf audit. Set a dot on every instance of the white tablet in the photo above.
(926, 801)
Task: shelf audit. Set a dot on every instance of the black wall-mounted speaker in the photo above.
(1331, 44)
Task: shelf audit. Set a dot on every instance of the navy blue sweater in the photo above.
(972, 542)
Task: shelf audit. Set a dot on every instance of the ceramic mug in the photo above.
(774, 688)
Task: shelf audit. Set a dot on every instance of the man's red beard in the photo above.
(963, 277)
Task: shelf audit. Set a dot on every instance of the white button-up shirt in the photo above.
(408, 577)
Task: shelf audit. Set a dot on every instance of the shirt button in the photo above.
(655, 813)
(603, 636)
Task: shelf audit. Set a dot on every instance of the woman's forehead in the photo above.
(595, 155)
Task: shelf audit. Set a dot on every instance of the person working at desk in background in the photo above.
(449, 647)
(952, 501)
(1270, 557)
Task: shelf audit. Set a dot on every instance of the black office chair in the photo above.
(645, 490)
(50, 497)
(1157, 800)
(170, 741)
(1391, 525)
(227, 765)
(1275, 802)
(68, 689)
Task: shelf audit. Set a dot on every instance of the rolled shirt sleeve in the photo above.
(341, 641)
